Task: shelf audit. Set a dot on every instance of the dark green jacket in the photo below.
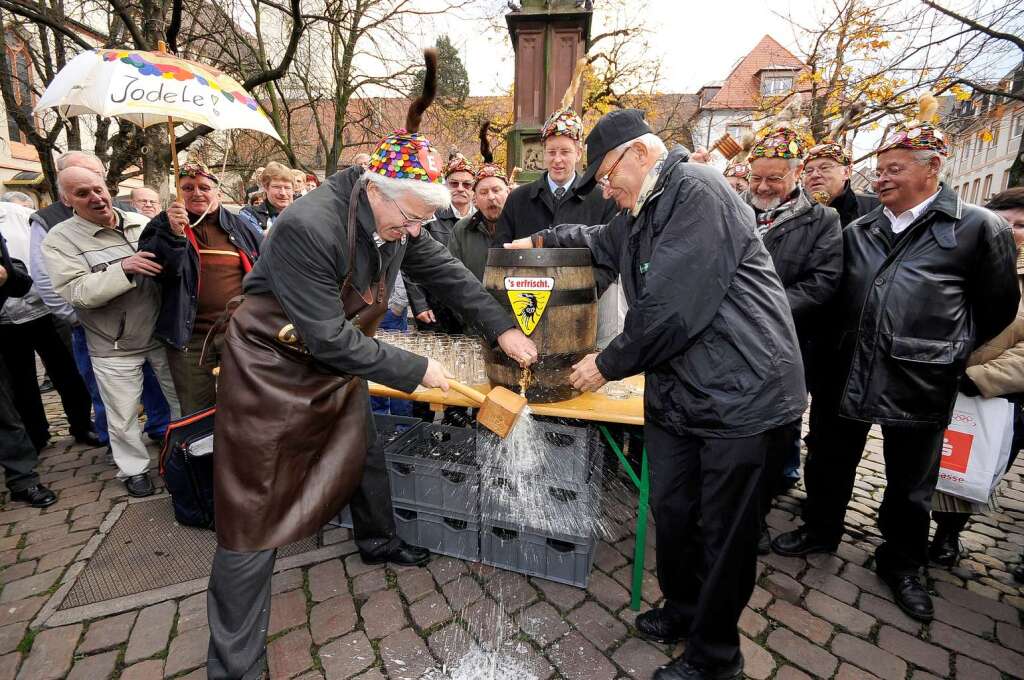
(470, 241)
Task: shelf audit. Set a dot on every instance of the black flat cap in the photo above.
(614, 128)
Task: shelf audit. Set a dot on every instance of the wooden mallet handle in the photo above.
(468, 391)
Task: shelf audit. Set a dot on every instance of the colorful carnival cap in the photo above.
(197, 169)
(920, 133)
(457, 162)
(565, 121)
(405, 153)
(783, 137)
(488, 168)
(833, 146)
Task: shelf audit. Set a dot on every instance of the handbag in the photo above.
(975, 447)
(186, 464)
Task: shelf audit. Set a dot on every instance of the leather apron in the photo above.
(290, 437)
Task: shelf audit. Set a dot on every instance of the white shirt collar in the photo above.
(900, 222)
(554, 185)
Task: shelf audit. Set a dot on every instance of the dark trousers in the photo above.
(912, 456)
(373, 516)
(705, 498)
(18, 343)
(158, 411)
(781, 444)
(18, 455)
(196, 385)
(238, 611)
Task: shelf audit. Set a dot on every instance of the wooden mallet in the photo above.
(499, 408)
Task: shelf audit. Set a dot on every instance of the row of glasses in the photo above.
(462, 355)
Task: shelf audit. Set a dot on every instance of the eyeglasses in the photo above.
(890, 170)
(143, 201)
(412, 220)
(604, 179)
(774, 179)
(456, 184)
(820, 169)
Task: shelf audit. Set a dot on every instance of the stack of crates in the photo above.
(435, 485)
(446, 503)
(556, 539)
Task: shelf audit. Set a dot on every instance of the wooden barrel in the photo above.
(552, 295)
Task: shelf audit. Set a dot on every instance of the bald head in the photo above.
(86, 193)
(78, 159)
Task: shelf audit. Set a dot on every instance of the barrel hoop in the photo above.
(546, 361)
(558, 298)
(539, 257)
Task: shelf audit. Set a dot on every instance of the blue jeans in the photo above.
(158, 413)
(386, 405)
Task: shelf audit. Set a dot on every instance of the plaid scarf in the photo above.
(766, 219)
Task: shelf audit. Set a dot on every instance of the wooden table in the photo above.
(592, 407)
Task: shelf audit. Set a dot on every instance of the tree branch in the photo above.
(41, 16)
(981, 28)
(174, 27)
(129, 23)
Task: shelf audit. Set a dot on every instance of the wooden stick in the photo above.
(466, 390)
(161, 47)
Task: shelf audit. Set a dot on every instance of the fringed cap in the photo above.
(565, 121)
(488, 168)
(919, 133)
(833, 145)
(784, 137)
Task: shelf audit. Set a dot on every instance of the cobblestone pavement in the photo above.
(828, 616)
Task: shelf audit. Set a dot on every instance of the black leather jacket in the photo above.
(911, 308)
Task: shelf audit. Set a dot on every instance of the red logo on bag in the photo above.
(956, 450)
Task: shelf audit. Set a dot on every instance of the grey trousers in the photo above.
(238, 610)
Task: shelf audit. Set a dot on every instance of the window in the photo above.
(956, 190)
(986, 192)
(974, 191)
(1017, 125)
(776, 84)
(1006, 181)
(994, 142)
(737, 131)
(21, 82)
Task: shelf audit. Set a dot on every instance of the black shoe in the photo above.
(800, 542)
(404, 555)
(37, 496)
(680, 669)
(46, 386)
(661, 626)
(945, 550)
(139, 486)
(89, 438)
(911, 596)
(764, 544)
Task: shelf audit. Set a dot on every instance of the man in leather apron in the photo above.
(294, 435)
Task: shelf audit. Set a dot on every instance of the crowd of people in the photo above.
(737, 294)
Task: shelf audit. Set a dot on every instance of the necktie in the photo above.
(559, 194)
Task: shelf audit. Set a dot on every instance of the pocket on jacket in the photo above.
(923, 350)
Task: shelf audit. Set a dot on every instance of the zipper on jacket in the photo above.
(120, 329)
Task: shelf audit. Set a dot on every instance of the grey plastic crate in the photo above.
(439, 476)
(549, 505)
(394, 431)
(447, 534)
(568, 452)
(564, 559)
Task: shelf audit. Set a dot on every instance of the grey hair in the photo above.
(62, 160)
(435, 196)
(19, 197)
(925, 156)
(650, 140)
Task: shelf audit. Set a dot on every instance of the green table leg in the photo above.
(643, 484)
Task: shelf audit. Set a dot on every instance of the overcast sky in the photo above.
(701, 41)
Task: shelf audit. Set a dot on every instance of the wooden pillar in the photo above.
(548, 36)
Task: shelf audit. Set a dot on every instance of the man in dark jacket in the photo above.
(710, 327)
(826, 176)
(473, 235)
(926, 279)
(18, 455)
(430, 312)
(205, 251)
(806, 244)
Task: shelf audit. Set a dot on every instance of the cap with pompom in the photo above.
(406, 153)
(783, 137)
(919, 133)
(457, 162)
(833, 146)
(488, 168)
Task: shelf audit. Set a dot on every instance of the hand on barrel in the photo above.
(586, 376)
(436, 375)
(519, 347)
(520, 243)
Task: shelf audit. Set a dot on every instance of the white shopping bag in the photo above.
(976, 447)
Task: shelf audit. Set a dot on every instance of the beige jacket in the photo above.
(118, 312)
(997, 367)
